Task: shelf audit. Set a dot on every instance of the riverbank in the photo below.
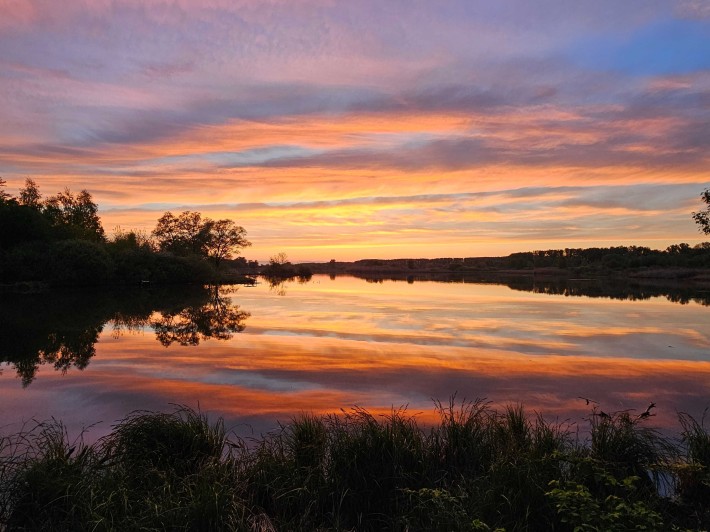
(678, 261)
(477, 469)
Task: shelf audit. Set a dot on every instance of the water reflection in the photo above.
(631, 289)
(61, 329)
(218, 318)
(335, 343)
(675, 292)
(279, 284)
(61, 349)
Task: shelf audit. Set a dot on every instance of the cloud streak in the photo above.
(346, 107)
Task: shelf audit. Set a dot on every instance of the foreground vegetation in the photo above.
(477, 469)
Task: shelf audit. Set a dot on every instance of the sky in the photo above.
(344, 130)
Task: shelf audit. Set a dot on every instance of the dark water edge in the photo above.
(682, 291)
(60, 327)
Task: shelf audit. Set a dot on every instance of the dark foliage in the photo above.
(60, 241)
(678, 260)
(702, 218)
(36, 329)
(477, 469)
(189, 234)
(279, 270)
(79, 262)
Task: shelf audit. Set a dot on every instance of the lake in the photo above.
(262, 354)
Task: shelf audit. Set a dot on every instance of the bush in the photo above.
(79, 262)
(133, 265)
(47, 480)
(581, 510)
(694, 471)
(476, 470)
(168, 268)
(27, 262)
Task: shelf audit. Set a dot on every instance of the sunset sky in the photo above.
(368, 129)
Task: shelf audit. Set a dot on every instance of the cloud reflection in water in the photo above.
(333, 344)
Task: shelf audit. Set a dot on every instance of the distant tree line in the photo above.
(577, 260)
(60, 240)
(615, 258)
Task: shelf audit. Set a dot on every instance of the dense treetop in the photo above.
(190, 234)
(702, 218)
(60, 240)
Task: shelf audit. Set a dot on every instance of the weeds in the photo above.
(45, 478)
(479, 468)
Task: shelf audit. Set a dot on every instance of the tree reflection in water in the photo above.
(218, 318)
(63, 350)
(628, 289)
(278, 284)
(62, 328)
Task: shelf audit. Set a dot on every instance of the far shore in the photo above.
(478, 267)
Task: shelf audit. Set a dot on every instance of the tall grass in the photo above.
(478, 468)
(693, 472)
(45, 479)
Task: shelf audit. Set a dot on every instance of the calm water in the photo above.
(256, 355)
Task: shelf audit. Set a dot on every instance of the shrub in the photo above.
(47, 480)
(79, 262)
(27, 262)
(694, 471)
(478, 469)
(618, 512)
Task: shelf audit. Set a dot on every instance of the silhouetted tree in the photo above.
(218, 319)
(21, 225)
(79, 262)
(279, 267)
(4, 196)
(702, 218)
(280, 258)
(30, 195)
(182, 235)
(129, 240)
(77, 214)
(225, 238)
(190, 234)
(678, 249)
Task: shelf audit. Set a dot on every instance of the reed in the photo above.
(478, 468)
(45, 478)
(693, 471)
